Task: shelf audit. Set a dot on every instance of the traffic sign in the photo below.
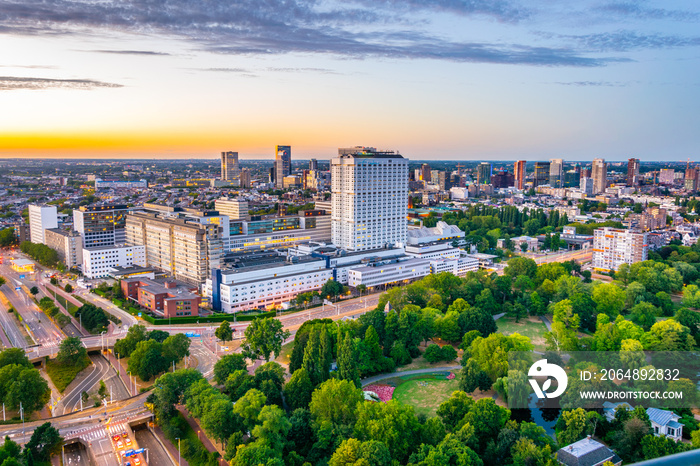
(134, 452)
(17, 288)
(139, 314)
(21, 277)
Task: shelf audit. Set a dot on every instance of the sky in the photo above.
(433, 79)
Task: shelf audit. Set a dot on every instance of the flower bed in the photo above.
(384, 392)
(451, 376)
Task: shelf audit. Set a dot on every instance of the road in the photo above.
(100, 369)
(75, 455)
(9, 324)
(156, 454)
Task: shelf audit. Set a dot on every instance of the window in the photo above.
(671, 431)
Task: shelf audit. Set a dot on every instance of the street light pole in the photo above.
(178, 451)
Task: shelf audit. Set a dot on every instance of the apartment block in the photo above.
(41, 218)
(99, 261)
(68, 245)
(101, 225)
(165, 298)
(613, 247)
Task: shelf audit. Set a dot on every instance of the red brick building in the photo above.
(167, 298)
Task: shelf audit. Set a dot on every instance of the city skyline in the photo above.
(435, 80)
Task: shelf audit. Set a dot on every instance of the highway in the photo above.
(9, 324)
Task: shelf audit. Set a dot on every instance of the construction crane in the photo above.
(459, 168)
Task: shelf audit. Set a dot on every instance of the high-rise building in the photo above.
(283, 164)
(541, 174)
(68, 245)
(502, 179)
(520, 172)
(633, 172)
(585, 173)
(425, 173)
(691, 179)
(667, 176)
(556, 173)
(613, 247)
(229, 166)
(101, 225)
(599, 173)
(41, 217)
(235, 209)
(245, 178)
(369, 195)
(483, 173)
(186, 249)
(444, 181)
(313, 164)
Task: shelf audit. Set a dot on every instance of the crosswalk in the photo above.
(116, 425)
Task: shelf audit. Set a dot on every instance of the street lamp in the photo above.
(102, 339)
(178, 451)
(131, 389)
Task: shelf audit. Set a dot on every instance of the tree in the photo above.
(521, 266)
(574, 426)
(34, 290)
(691, 296)
(44, 442)
(433, 354)
(224, 332)
(335, 401)
(249, 406)
(176, 347)
(263, 338)
(20, 384)
(227, 365)
(14, 356)
(157, 335)
(297, 392)
(71, 351)
(7, 237)
(317, 356)
(68, 288)
(392, 423)
(609, 299)
(125, 346)
(644, 315)
(352, 452)
(469, 376)
(347, 359)
(218, 418)
(453, 410)
(331, 288)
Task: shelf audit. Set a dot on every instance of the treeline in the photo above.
(21, 383)
(49, 307)
(40, 253)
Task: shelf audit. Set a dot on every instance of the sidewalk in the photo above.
(169, 447)
(208, 444)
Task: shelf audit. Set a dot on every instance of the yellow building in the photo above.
(22, 265)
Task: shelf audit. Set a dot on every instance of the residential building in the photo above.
(483, 173)
(599, 173)
(666, 423)
(22, 232)
(425, 173)
(541, 174)
(189, 248)
(98, 261)
(369, 194)
(633, 178)
(587, 452)
(556, 173)
(283, 164)
(41, 217)
(101, 225)
(518, 241)
(165, 298)
(234, 209)
(667, 176)
(313, 164)
(587, 186)
(229, 166)
(613, 247)
(691, 179)
(68, 245)
(520, 172)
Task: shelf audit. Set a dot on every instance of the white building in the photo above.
(370, 199)
(41, 218)
(440, 232)
(265, 281)
(388, 272)
(97, 262)
(235, 209)
(613, 247)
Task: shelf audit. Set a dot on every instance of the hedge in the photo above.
(207, 319)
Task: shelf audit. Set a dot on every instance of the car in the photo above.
(137, 461)
(120, 445)
(116, 438)
(128, 442)
(124, 434)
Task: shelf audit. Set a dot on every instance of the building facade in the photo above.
(633, 172)
(97, 262)
(41, 218)
(599, 173)
(229, 166)
(101, 225)
(556, 173)
(68, 245)
(520, 172)
(166, 298)
(369, 195)
(234, 209)
(613, 247)
(483, 173)
(541, 174)
(283, 164)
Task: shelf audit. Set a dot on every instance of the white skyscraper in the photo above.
(556, 173)
(599, 173)
(369, 198)
(41, 218)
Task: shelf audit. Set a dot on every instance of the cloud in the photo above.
(623, 41)
(639, 11)
(595, 84)
(226, 70)
(32, 67)
(359, 29)
(130, 52)
(11, 83)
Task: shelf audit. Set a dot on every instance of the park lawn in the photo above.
(425, 394)
(531, 327)
(285, 354)
(62, 375)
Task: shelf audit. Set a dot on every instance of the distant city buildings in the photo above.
(230, 169)
(313, 164)
(613, 247)
(667, 176)
(41, 217)
(483, 173)
(234, 209)
(633, 172)
(119, 184)
(541, 174)
(556, 173)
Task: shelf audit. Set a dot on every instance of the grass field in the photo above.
(61, 375)
(286, 353)
(68, 306)
(531, 327)
(421, 363)
(425, 393)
